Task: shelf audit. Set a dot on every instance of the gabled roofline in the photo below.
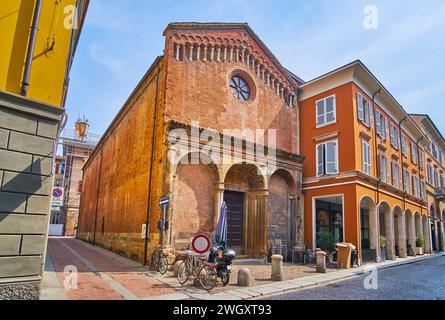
(231, 25)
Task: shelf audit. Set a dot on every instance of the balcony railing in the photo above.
(440, 193)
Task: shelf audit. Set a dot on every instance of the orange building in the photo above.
(364, 177)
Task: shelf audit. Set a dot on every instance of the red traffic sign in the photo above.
(201, 244)
(57, 193)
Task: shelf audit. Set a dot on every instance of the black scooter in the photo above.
(223, 260)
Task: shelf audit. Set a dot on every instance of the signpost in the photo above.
(57, 197)
(163, 225)
(201, 244)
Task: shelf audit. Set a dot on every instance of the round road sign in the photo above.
(57, 193)
(201, 244)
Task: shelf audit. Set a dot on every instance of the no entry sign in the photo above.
(201, 244)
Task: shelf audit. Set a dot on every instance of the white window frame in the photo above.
(430, 174)
(422, 189)
(396, 175)
(364, 110)
(366, 165)
(325, 161)
(384, 168)
(434, 150)
(394, 136)
(406, 180)
(381, 123)
(421, 159)
(325, 123)
(414, 153)
(404, 145)
(416, 186)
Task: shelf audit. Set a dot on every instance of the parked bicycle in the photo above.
(201, 270)
(160, 260)
(309, 256)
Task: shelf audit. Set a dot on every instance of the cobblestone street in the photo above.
(423, 280)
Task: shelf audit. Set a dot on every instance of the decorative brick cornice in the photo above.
(231, 43)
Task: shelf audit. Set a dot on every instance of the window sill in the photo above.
(319, 126)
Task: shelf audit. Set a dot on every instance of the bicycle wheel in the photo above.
(163, 265)
(184, 272)
(208, 277)
(153, 261)
(225, 278)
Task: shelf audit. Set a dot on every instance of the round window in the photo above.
(240, 88)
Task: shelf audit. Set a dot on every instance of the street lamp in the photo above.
(82, 126)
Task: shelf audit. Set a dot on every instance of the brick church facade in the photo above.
(214, 119)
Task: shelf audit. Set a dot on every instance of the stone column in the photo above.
(219, 197)
(427, 234)
(264, 210)
(401, 231)
(441, 236)
(390, 237)
(411, 233)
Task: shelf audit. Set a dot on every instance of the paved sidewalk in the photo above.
(101, 275)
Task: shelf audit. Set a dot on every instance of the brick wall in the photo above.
(116, 178)
(193, 201)
(278, 222)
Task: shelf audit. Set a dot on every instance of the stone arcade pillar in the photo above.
(427, 234)
(411, 233)
(401, 231)
(390, 236)
(219, 197)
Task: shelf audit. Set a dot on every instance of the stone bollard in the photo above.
(277, 268)
(321, 262)
(244, 278)
(176, 267)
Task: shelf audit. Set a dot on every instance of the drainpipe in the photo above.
(418, 166)
(31, 46)
(401, 158)
(377, 163)
(153, 143)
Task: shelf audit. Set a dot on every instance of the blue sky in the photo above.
(121, 38)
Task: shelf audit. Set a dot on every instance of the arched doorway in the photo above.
(410, 233)
(281, 215)
(246, 200)
(368, 230)
(193, 199)
(400, 232)
(434, 236)
(386, 223)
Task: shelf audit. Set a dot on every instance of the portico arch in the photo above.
(368, 230)
(400, 232)
(193, 198)
(246, 198)
(386, 223)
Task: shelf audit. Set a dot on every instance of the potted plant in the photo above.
(383, 248)
(420, 242)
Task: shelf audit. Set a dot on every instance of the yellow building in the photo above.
(38, 41)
